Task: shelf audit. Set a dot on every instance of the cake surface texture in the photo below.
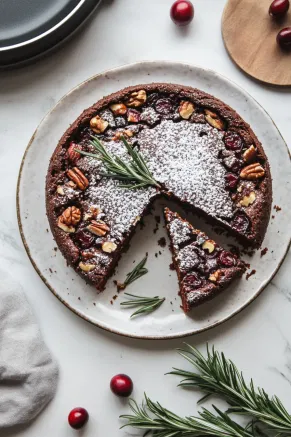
(203, 267)
(201, 152)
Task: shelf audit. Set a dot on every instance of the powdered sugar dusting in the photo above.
(180, 232)
(188, 164)
(188, 259)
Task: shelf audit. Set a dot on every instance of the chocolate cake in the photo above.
(199, 150)
(203, 267)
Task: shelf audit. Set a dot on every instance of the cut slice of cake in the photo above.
(203, 267)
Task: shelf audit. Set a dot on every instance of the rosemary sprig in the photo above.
(218, 375)
(165, 423)
(147, 304)
(135, 173)
(136, 273)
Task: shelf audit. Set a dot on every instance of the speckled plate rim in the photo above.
(33, 262)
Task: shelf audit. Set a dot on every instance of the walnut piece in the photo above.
(66, 228)
(214, 119)
(99, 228)
(60, 190)
(93, 213)
(86, 267)
(79, 178)
(136, 99)
(250, 154)
(109, 246)
(248, 200)
(98, 125)
(209, 245)
(186, 109)
(252, 172)
(118, 109)
(71, 216)
(216, 276)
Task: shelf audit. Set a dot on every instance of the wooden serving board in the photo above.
(249, 35)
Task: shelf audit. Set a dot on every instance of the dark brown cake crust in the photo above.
(208, 111)
(203, 267)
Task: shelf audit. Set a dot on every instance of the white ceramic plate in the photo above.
(102, 310)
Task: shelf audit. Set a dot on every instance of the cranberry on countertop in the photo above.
(233, 141)
(284, 38)
(182, 12)
(279, 8)
(240, 223)
(227, 259)
(78, 417)
(121, 385)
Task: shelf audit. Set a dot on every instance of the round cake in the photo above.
(199, 150)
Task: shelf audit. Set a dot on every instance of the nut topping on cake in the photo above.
(250, 154)
(214, 120)
(252, 172)
(79, 178)
(73, 156)
(209, 245)
(109, 246)
(92, 213)
(98, 125)
(71, 216)
(99, 228)
(186, 109)
(60, 190)
(248, 200)
(86, 267)
(215, 276)
(137, 99)
(118, 108)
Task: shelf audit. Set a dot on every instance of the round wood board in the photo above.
(249, 35)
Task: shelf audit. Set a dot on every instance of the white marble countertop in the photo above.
(258, 339)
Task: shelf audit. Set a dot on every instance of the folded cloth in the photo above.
(28, 373)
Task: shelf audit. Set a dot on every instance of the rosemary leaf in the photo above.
(136, 273)
(147, 304)
(136, 173)
(164, 423)
(218, 375)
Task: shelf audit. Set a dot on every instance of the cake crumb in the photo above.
(162, 242)
(172, 267)
(158, 218)
(264, 251)
(277, 208)
(115, 297)
(248, 275)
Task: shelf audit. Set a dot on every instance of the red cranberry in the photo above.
(233, 141)
(284, 38)
(164, 106)
(121, 385)
(78, 417)
(240, 223)
(231, 180)
(279, 8)
(227, 259)
(182, 12)
(193, 281)
(84, 239)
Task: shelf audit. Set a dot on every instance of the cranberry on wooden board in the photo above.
(279, 8)
(121, 385)
(78, 417)
(182, 12)
(284, 38)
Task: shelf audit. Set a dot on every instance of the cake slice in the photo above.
(203, 267)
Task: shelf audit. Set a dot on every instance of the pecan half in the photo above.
(86, 267)
(252, 172)
(98, 125)
(214, 120)
(250, 154)
(118, 108)
(66, 228)
(78, 177)
(99, 228)
(186, 109)
(73, 156)
(71, 216)
(136, 99)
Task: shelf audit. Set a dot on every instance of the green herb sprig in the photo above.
(135, 174)
(218, 375)
(136, 273)
(147, 304)
(164, 423)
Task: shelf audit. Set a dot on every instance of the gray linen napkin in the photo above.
(28, 373)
